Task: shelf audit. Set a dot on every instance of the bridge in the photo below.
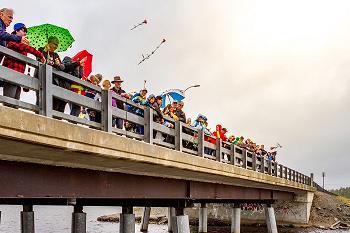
(52, 158)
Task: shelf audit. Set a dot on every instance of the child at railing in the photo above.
(95, 80)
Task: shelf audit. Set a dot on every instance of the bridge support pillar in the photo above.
(78, 220)
(171, 215)
(180, 223)
(27, 219)
(236, 219)
(145, 219)
(127, 220)
(270, 219)
(203, 219)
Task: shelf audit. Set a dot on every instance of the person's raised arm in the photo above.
(5, 36)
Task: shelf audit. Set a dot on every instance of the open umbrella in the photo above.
(88, 63)
(175, 94)
(39, 35)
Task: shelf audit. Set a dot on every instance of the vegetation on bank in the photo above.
(345, 192)
(344, 200)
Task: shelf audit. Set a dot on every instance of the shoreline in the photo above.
(328, 213)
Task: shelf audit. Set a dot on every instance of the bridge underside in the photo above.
(29, 183)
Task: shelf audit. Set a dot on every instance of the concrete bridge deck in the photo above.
(31, 138)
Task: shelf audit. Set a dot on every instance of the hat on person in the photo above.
(117, 79)
(19, 26)
(99, 76)
(150, 97)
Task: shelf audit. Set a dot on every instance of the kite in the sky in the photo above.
(147, 56)
(143, 22)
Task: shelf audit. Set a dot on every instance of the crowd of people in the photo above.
(18, 42)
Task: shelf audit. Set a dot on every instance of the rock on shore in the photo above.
(158, 216)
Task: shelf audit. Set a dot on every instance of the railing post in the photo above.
(254, 161)
(178, 135)
(275, 168)
(244, 158)
(289, 174)
(298, 177)
(262, 167)
(201, 143)
(233, 157)
(218, 149)
(148, 125)
(106, 111)
(281, 170)
(311, 180)
(286, 173)
(45, 90)
(293, 172)
(269, 164)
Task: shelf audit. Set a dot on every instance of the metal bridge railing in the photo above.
(181, 138)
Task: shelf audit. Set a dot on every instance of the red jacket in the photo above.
(22, 49)
(219, 134)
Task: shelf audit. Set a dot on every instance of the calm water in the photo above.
(57, 219)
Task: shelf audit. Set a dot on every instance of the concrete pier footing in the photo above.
(27, 219)
(171, 215)
(270, 219)
(78, 220)
(203, 219)
(145, 219)
(127, 220)
(236, 219)
(180, 223)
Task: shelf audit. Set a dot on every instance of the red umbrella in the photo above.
(88, 62)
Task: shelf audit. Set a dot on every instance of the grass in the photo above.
(344, 200)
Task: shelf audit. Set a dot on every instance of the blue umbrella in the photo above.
(175, 94)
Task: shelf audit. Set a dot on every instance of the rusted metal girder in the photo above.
(27, 183)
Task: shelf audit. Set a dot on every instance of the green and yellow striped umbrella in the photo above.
(38, 36)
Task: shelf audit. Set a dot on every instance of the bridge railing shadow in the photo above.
(130, 119)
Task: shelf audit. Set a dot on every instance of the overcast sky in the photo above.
(272, 70)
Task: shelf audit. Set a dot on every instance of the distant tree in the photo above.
(342, 192)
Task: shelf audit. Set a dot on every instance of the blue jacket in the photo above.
(4, 36)
(198, 125)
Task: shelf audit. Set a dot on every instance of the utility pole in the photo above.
(323, 176)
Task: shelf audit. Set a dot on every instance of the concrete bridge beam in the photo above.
(270, 219)
(145, 219)
(78, 220)
(127, 220)
(236, 219)
(203, 219)
(27, 219)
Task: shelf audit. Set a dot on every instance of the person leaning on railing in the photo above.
(76, 69)
(53, 59)
(117, 89)
(11, 90)
(6, 17)
(91, 93)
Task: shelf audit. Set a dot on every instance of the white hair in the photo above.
(4, 10)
